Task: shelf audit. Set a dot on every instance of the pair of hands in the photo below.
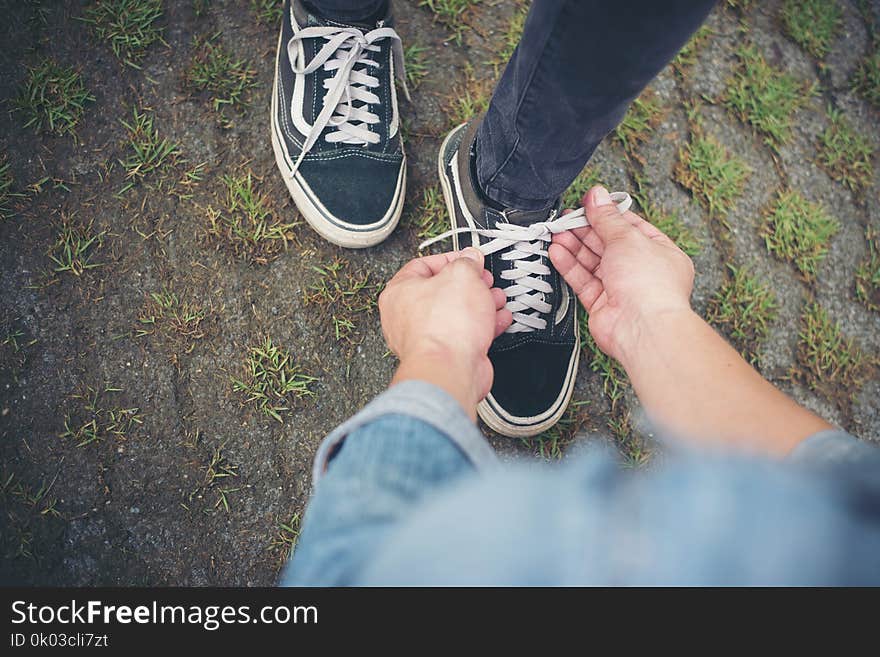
(442, 311)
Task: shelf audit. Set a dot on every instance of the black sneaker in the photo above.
(336, 126)
(536, 359)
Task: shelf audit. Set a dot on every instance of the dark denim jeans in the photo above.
(579, 65)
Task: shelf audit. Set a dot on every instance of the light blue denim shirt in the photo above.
(408, 492)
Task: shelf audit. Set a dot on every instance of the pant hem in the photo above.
(512, 201)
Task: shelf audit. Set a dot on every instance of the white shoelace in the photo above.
(528, 292)
(345, 48)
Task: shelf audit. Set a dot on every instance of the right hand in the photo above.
(624, 270)
(442, 310)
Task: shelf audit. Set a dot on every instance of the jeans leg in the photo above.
(578, 66)
(347, 10)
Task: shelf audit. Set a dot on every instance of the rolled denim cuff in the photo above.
(831, 447)
(422, 401)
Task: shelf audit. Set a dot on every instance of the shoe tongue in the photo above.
(382, 18)
(526, 218)
(363, 26)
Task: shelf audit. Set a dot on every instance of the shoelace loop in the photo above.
(529, 290)
(345, 48)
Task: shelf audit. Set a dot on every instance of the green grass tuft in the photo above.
(272, 380)
(812, 24)
(218, 472)
(714, 176)
(550, 445)
(148, 153)
(744, 308)
(513, 31)
(868, 273)
(798, 231)
(687, 56)
(284, 541)
(866, 79)
(268, 12)
(6, 193)
(344, 295)
(200, 7)
(416, 62)
(171, 315)
(639, 122)
(451, 13)
(467, 99)
(75, 247)
(765, 97)
(829, 362)
(226, 79)
(53, 98)
(129, 25)
(246, 222)
(585, 180)
(431, 218)
(632, 447)
(846, 155)
(614, 378)
(675, 229)
(95, 418)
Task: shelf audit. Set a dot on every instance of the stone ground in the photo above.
(147, 502)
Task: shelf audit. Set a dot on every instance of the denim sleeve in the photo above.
(834, 447)
(372, 471)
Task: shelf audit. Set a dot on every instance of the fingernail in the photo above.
(601, 196)
(472, 253)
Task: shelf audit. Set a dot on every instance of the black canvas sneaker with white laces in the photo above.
(336, 126)
(536, 359)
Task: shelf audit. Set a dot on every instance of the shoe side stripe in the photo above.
(465, 211)
(279, 95)
(299, 84)
(316, 203)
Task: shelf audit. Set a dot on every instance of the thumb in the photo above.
(470, 253)
(467, 263)
(604, 216)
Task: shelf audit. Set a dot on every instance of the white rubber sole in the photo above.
(355, 237)
(513, 427)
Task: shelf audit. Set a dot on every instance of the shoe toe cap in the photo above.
(356, 188)
(531, 378)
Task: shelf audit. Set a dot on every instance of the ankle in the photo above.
(496, 197)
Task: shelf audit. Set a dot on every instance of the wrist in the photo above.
(649, 331)
(452, 370)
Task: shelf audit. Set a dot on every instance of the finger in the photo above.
(584, 254)
(586, 286)
(488, 279)
(588, 237)
(469, 263)
(503, 319)
(645, 226)
(431, 265)
(426, 266)
(604, 217)
(569, 240)
(499, 297)
(470, 253)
